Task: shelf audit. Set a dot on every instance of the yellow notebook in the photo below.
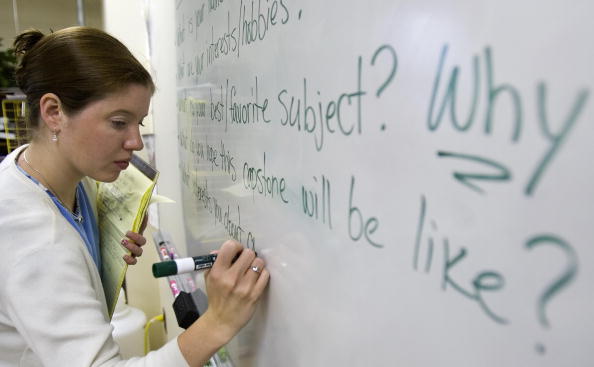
(121, 206)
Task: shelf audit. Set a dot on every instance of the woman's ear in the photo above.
(50, 111)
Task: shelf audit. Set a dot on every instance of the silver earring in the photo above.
(54, 136)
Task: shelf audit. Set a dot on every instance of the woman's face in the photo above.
(99, 140)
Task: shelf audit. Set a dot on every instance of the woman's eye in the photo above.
(141, 123)
(118, 124)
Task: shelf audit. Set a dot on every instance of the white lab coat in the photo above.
(52, 305)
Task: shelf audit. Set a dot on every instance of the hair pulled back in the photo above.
(78, 64)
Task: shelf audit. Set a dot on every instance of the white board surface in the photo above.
(417, 175)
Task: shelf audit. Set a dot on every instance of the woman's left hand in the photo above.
(134, 243)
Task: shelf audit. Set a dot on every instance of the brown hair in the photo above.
(78, 64)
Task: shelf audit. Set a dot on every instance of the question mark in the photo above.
(392, 52)
(560, 282)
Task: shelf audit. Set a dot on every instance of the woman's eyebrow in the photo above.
(122, 111)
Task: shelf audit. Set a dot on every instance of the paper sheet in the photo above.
(121, 206)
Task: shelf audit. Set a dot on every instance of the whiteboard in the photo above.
(417, 175)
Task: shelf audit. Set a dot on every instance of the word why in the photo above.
(494, 92)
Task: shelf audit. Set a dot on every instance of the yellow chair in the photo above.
(16, 129)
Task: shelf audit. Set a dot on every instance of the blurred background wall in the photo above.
(18, 15)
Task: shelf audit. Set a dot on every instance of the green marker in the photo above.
(183, 265)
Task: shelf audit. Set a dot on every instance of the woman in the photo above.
(86, 97)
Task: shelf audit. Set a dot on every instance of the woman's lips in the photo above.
(122, 164)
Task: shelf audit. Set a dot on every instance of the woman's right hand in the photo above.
(234, 287)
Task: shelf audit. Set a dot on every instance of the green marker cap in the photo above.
(164, 269)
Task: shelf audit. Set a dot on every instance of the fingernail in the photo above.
(124, 242)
